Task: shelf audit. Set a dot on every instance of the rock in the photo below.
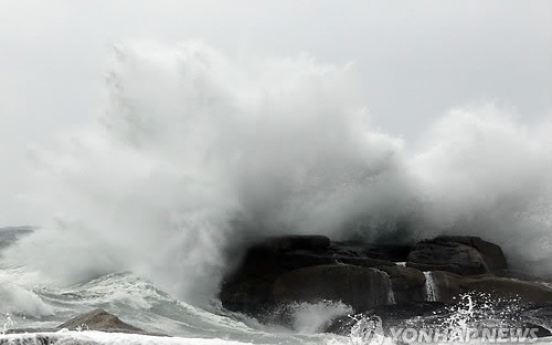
(249, 288)
(448, 256)
(293, 242)
(380, 252)
(297, 268)
(100, 320)
(277, 255)
(35, 339)
(540, 314)
(359, 287)
(489, 288)
(97, 320)
(251, 296)
(438, 315)
(408, 283)
(391, 315)
(492, 253)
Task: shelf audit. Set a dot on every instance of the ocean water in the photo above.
(144, 305)
(195, 154)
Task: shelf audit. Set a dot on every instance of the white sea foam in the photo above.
(309, 318)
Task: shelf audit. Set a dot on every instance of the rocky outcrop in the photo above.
(359, 287)
(492, 254)
(449, 286)
(95, 320)
(251, 288)
(391, 315)
(439, 254)
(291, 269)
(100, 320)
(408, 284)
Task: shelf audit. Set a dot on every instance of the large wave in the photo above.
(197, 153)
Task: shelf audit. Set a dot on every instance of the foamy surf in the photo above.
(92, 338)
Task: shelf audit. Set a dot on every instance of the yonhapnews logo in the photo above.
(369, 331)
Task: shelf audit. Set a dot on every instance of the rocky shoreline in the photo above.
(373, 278)
(419, 283)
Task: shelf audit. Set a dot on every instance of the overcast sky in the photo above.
(414, 59)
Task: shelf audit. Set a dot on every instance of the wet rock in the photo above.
(311, 268)
(492, 254)
(380, 252)
(492, 288)
(408, 283)
(439, 254)
(252, 296)
(249, 288)
(391, 315)
(359, 287)
(100, 320)
(315, 243)
(97, 320)
(443, 316)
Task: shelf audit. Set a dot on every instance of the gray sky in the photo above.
(414, 59)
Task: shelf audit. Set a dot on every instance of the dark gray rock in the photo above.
(359, 287)
(491, 253)
(249, 288)
(490, 288)
(391, 315)
(408, 283)
(435, 314)
(288, 243)
(295, 268)
(449, 256)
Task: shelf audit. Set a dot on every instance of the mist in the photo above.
(197, 152)
(413, 61)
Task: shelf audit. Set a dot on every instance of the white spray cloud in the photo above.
(482, 172)
(197, 153)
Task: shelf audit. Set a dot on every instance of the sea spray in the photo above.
(196, 154)
(311, 318)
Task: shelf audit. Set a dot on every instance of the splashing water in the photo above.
(388, 285)
(368, 331)
(430, 287)
(311, 318)
(474, 316)
(8, 324)
(197, 153)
